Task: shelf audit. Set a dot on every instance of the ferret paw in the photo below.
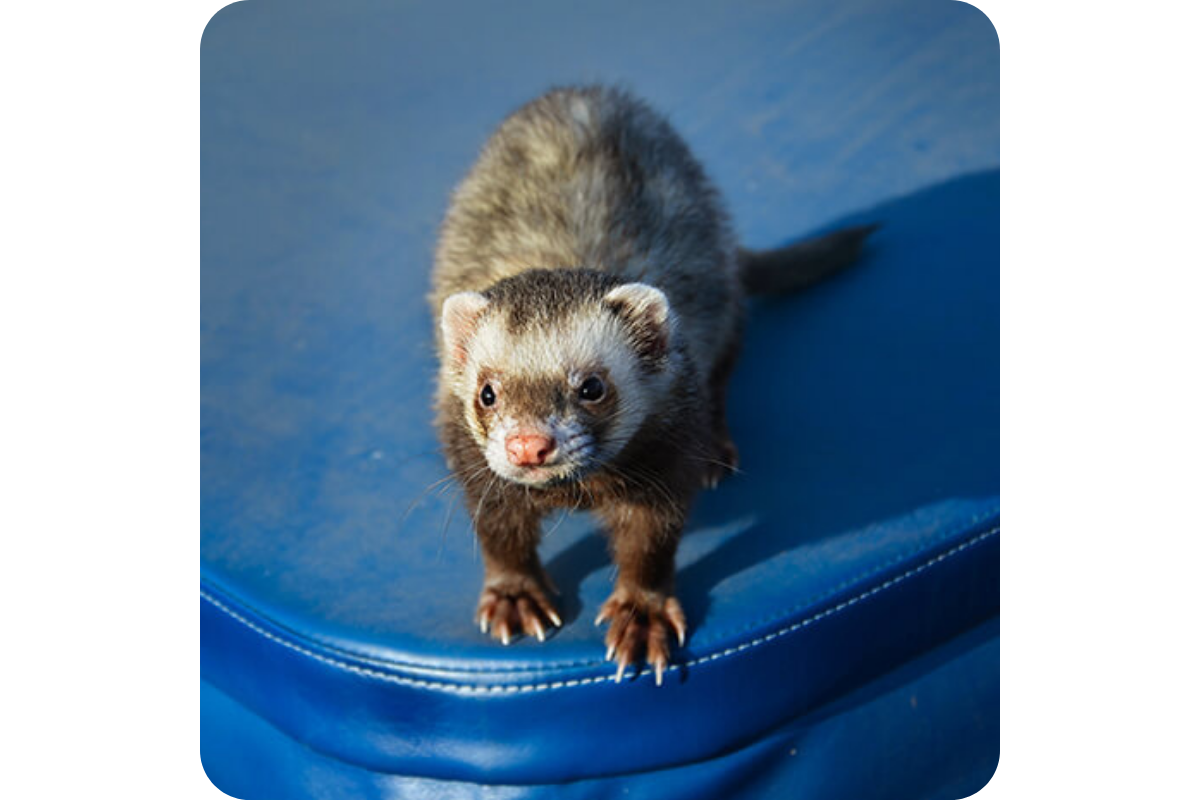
(642, 629)
(509, 608)
(723, 462)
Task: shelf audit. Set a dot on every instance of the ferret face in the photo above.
(551, 393)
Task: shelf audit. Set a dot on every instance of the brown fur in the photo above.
(577, 193)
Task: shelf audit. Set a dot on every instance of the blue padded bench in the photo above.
(842, 593)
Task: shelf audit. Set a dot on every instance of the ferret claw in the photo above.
(679, 634)
(674, 614)
(512, 611)
(640, 632)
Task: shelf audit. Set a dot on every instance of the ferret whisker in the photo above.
(562, 515)
(450, 508)
(444, 482)
(471, 477)
(483, 497)
(733, 468)
(687, 449)
(452, 504)
(645, 481)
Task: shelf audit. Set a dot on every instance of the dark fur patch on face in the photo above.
(547, 296)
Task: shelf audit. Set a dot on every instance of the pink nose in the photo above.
(529, 449)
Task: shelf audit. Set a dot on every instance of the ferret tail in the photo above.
(798, 266)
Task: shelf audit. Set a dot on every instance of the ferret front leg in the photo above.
(643, 614)
(516, 589)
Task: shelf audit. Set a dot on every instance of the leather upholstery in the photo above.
(851, 572)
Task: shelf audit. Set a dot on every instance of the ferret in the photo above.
(590, 293)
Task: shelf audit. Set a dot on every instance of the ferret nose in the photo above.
(529, 449)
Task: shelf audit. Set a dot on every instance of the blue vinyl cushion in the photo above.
(842, 593)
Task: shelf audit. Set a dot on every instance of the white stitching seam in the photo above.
(537, 687)
(516, 668)
(865, 574)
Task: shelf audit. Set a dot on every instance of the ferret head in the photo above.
(555, 370)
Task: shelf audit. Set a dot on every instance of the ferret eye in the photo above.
(592, 389)
(487, 395)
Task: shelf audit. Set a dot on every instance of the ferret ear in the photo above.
(647, 312)
(460, 315)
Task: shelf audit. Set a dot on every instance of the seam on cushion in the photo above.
(549, 685)
(864, 575)
(526, 667)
